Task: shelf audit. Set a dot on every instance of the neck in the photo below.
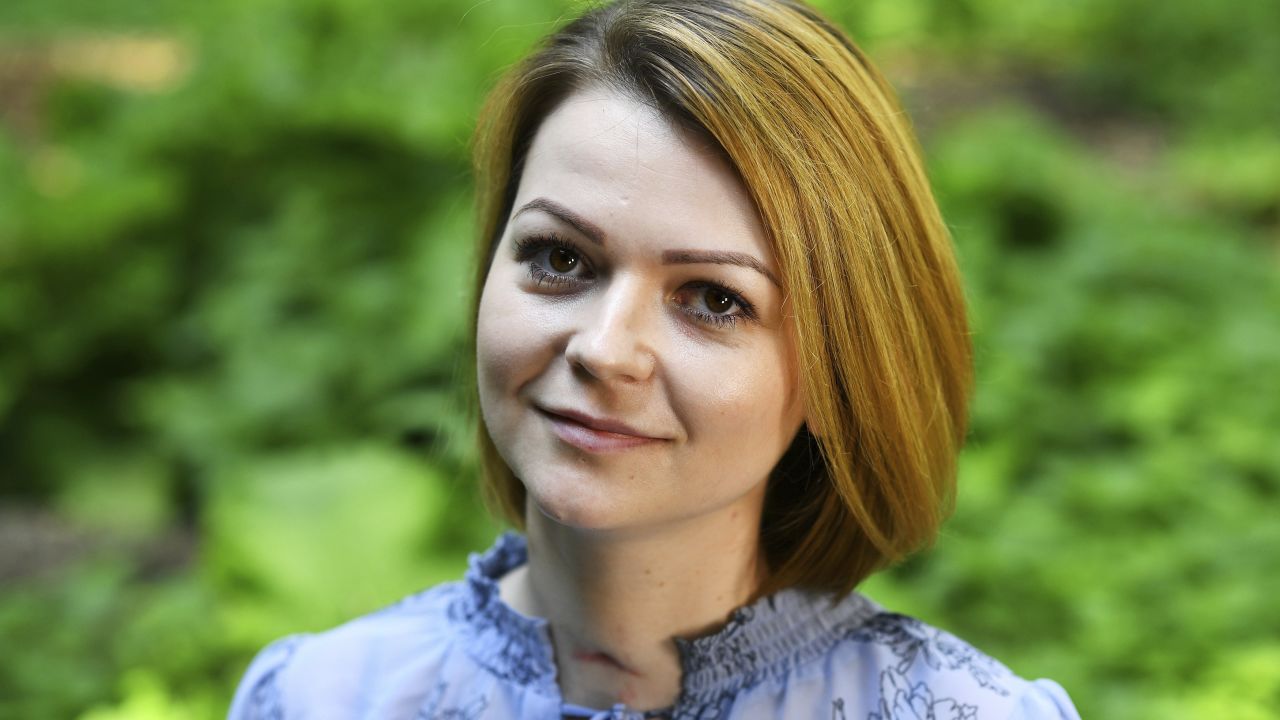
(616, 600)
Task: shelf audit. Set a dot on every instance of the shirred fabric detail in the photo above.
(458, 652)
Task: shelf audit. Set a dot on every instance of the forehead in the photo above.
(626, 168)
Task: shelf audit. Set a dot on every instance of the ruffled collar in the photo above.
(513, 646)
(762, 640)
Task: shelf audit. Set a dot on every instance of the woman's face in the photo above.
(633, 361)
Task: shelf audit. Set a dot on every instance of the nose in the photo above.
(610, 341)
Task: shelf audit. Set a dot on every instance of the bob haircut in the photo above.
(827, 154)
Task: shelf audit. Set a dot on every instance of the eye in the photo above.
(552, 260)
(718, 301)
(562, 260)
(714, 305)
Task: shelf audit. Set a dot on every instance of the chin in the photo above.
(575, 514)
(577, 507)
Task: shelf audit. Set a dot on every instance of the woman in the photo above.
(723, 366)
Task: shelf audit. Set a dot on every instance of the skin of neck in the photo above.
(615, 600)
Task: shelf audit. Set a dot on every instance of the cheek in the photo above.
(515, 336)
(740, 407)
(500, 342)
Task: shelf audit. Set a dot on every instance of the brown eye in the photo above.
(562, 260)
(718, 301)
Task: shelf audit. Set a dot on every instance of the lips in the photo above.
(593, 434)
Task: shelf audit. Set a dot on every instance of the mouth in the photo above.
(593, 434)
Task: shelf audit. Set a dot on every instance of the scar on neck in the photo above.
(603, 659)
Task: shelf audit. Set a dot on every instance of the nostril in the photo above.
(620, 357)
(612, 338)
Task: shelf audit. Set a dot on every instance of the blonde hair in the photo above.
(831, 162)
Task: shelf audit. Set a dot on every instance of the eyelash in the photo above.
(746, 311)
(529, 247)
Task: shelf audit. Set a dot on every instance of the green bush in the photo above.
(232, 319)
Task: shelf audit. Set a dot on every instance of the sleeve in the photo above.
(258, 695)
(1044, 700)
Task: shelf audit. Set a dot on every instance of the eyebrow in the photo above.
(576, 221)
(718, 257)
(669, 257)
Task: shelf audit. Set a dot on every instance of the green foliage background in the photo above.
(233, 261)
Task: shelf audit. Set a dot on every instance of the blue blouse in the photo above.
(458, 652)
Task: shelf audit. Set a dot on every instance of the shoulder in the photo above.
(906, 668)
(413, 636)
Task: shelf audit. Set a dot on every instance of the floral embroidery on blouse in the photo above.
(432, 710)
(911, 640)
(902, 700)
